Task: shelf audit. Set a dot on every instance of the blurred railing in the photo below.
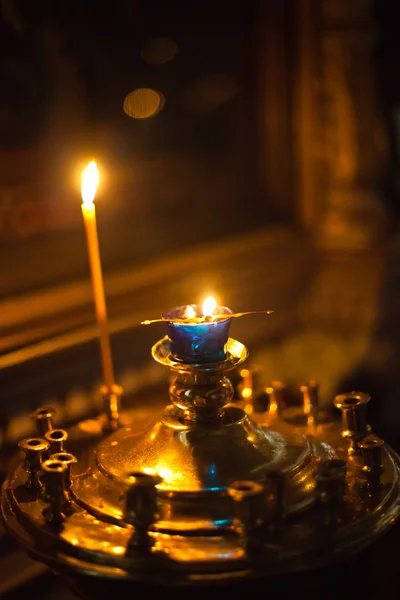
(266, 269)
(49, 351)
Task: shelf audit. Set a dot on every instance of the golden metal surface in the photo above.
(238, 495)
(236, 353)
(196, 467)
(96, 545)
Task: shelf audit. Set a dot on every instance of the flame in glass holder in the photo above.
(208, 314)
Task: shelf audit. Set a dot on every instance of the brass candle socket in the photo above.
(310, 393)
(140, 509)
(56, 438)
(371, 448)
(250, 511)
(44, 419)
(54, 480)
(111, 400)
(354, 418)
(276, 401)
(330, 492)
(68, 459)
(34, 448)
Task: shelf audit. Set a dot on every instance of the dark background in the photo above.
(194, 172)
(167, 181)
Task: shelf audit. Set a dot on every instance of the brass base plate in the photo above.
(204, 549)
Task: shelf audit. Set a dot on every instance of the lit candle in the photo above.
(201, 335)
(90, 180)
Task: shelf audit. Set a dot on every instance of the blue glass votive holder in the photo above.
(198, 343)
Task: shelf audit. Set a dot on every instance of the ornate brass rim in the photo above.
(236, 354)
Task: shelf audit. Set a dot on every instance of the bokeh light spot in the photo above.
(143, 103)
(158, 51)
(211, 92)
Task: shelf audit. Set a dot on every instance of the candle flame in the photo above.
(190, 313)
(209, 306)
(90, 180)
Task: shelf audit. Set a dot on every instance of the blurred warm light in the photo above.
(158, 51)
(190, 312)
(143, 103)
(90, 180)
(149, 471)
(209, 306)
(273, 404)
(164, 472)
(247, 389)
(247, 392)
(211, 92)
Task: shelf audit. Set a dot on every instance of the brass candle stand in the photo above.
(207, 495)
